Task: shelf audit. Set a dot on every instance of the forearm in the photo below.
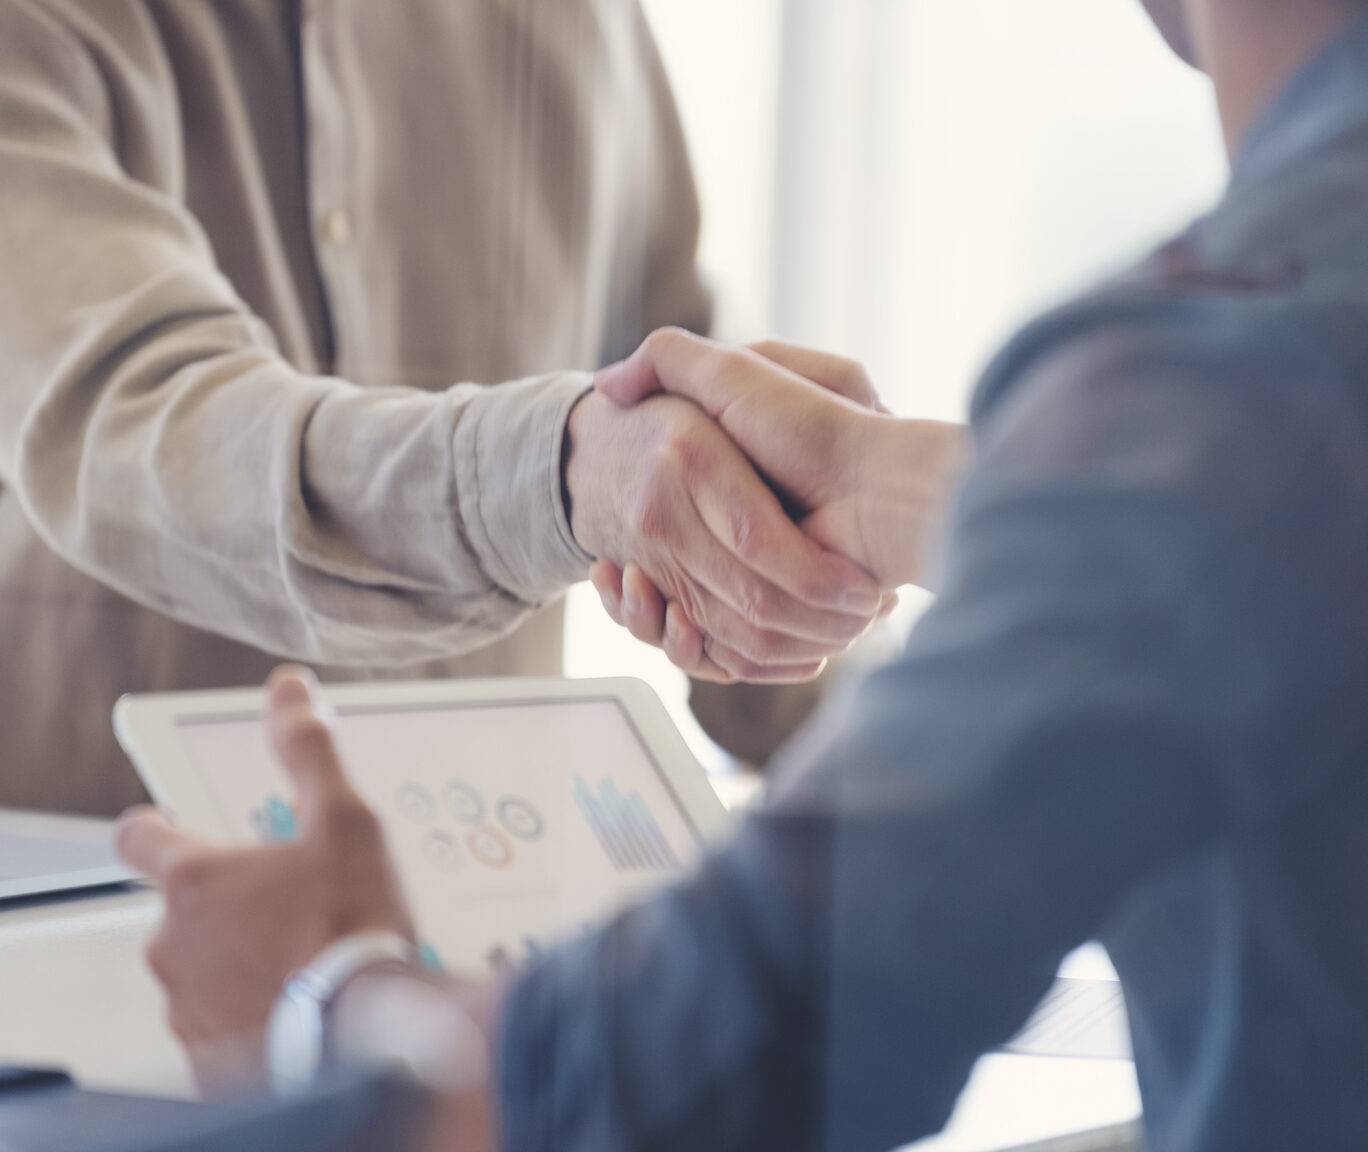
(685, 1024)
(442, 1030)
(830, 980)
(159, 441)
(301, 514)
(936, 844)
(904, 476)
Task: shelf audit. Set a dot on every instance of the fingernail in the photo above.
(292, 685)
(630, 600)
(673, 632)
(861, 601)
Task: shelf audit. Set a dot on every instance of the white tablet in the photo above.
(518, 810)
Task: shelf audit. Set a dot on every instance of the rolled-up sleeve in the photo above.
(1134, 627)
(158, 441)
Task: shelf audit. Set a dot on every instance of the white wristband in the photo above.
(295, 1035)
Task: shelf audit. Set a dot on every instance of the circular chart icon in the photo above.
(519, 818)
(464, 802)
(417, 803)
(490, 847)
(442, 852)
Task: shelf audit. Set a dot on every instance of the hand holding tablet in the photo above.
(239, 920)
(516, 810)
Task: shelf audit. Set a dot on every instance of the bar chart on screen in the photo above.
(625, 827)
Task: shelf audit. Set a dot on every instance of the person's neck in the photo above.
(1253, 48)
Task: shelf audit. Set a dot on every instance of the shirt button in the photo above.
(337, 227)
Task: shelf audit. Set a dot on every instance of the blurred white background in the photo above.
(906, 181)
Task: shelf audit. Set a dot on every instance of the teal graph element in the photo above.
(625, 827)
(275, 821)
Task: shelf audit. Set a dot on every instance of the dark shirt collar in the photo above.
(1326, 100)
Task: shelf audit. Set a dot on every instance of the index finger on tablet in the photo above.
(301, 731)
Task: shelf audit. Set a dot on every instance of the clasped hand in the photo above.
(754, 506)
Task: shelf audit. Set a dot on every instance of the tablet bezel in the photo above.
(146, 726)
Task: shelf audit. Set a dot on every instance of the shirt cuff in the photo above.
(508, 461)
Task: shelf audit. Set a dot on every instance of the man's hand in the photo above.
(662, 486)
(862, 482)
(238, 921)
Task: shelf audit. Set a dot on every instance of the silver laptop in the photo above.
(43, 855)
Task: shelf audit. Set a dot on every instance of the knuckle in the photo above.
(743, 641)
(818, 586)
(126, 834)
(161, 959)
(748, 536)
(644, 629)
(739, 667)
(185, 879)
(178, 1022)
(768, 651)
(663, 340)
(757, 608)
(856, 380)
(310, 734)
(717, 660)
(686, 456)
(650, 514)
(755, 667)
(735, 368)
(353, 822)
(690, 663)
(694, 606)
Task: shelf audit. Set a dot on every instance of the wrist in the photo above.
(580, 428)
(298, 1034)
(438, 1029)
(906, 471)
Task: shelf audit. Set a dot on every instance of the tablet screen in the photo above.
(511, 823)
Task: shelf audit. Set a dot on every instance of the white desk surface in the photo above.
(75, 993)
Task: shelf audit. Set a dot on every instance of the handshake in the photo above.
(752, 509)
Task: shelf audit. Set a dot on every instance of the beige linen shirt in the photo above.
(260, 262)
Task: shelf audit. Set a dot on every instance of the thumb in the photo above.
(675, 361)
(301, 732)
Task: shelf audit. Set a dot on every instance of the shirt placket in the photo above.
(331, 208)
